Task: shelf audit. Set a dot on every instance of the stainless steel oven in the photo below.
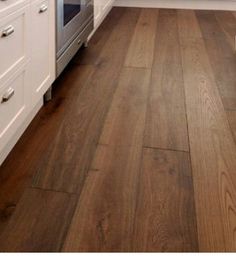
(74, 24)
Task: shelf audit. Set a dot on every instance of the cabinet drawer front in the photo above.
(14, 100)
(13, 41)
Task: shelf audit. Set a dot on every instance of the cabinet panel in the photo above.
(42, 47)
(14, 104)
(97, 9)
(14, 41)
(10, 6)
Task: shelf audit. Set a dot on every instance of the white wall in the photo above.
(184, 4)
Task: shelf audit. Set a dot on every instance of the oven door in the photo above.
(72, 17)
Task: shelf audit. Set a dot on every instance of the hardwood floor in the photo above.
(137, 150)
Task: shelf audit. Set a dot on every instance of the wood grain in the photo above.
(66, 163)
(232, 122)
(212, 149)
(227, 22)
(126, 117)
(39, 223)
(103, 220)
(166, 125)
(140, 53)
(114, 173)
(188, 24)
(165, 215)
(222, 57)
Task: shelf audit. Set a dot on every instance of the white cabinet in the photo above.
(43, 49)
(14, 72)
(101, 9)
(27, 64)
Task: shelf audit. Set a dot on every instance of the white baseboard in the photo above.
(180, 4)
(4, 153)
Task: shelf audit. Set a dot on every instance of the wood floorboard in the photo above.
(188, 20)
(37, 224)
(140, 53)
(126, 116)
(65, 165)
(165, 219)
(222, 57)
(212, 148)
(166, 125)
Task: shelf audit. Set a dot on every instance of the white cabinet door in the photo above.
(43, 47)
(101, 9)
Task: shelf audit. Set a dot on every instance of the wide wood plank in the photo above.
(166, 125)
(165, 214)
(126, 118)
(212, 149)
(67, 160)
(103, 220)
(141, 49)
(39, 223)
(222, 57)
(188, 20)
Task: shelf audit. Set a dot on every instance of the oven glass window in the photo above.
(71, 9)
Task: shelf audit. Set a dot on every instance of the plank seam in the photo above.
(164, 149)
(187, 122)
